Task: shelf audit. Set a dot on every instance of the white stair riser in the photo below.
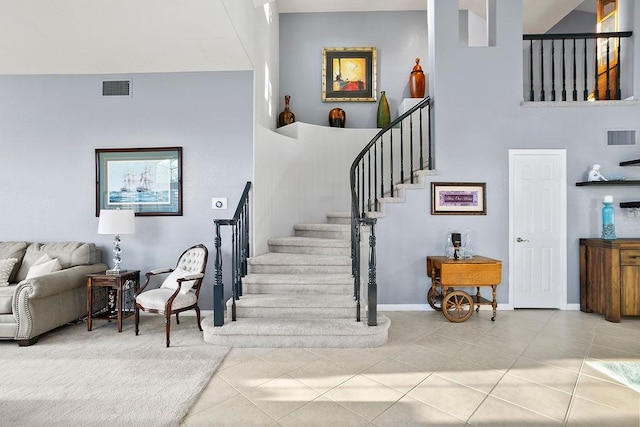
(297, 341)
(314, 250)
(306, 289)
(299, 269)
(296, 312)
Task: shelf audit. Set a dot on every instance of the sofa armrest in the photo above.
(58, 281)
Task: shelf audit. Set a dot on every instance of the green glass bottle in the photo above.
(384, 116)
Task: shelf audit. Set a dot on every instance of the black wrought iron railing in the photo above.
(574, 67)
(390, 158)
(239, 254)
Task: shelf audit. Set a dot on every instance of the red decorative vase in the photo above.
(416, 81)
(286, 117)
(337, 118)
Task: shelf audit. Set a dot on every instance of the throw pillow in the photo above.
(171, 282)
(42, 268)
(6, 267)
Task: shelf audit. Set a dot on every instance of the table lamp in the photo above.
(116, 222)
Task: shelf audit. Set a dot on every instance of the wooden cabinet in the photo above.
(610, 277)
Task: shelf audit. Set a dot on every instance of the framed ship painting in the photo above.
(147, 180)
(349, 74)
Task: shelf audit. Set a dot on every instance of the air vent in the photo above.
(116, 88)
(621, 137)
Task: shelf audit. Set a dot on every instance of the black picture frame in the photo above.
(147, 180)
(458, 198)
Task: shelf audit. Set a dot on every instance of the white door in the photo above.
(537, 228)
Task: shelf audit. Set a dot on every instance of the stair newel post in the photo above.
(372, 291)
(218, 287)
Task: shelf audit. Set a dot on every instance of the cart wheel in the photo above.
(434, 297)
(457, 306)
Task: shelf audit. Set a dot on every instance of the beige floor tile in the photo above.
(217, 391)
(626, 344)
(420, 357)
(608, 353)
(541, 373)
(445, 344)
(471, 374)
(237, 411)
(452, 398)
(489, 358)
(235, 357)
(397, 375)
(409, 412)
(585, 413)
(250, 374)
(356, 359)
(323, 412)
(535, 397)
(364, 396)
(608, 393)
(281, 396)
(322, 375)
(495, 412)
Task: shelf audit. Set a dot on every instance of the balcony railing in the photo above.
(576, 67)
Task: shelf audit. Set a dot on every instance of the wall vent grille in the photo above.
(116, 88)
(621, 137)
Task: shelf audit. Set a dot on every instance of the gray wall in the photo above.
(302, 37)
(575, 22)
(51, 125)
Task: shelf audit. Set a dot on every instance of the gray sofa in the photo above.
(33, 306)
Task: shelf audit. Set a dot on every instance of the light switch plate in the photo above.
(219, 203)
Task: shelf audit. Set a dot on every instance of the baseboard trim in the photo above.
(404, 307)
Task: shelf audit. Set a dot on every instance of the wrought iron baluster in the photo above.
(564, 73)
(531, 94)
(381, 165)
(596, 92)
(541, 70)
(608, 91)
(391, 165)
(575, 73)
(401, 154)
(553, 70)
(585, 92)
(356, 272)
(430, 153)
(421, 142)
(618, 89)
(369, 181)
(375, 176)
(411, 146)
(372, 292)
(218, 287)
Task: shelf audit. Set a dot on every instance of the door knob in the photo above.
(520, 239)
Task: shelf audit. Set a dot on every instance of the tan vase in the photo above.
(416, 81)
(337, 118)
(286, 117)
(384, 115)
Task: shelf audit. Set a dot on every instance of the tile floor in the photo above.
(528, 368)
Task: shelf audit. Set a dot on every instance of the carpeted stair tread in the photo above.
(309, 241)
(322, 227)
(339, 218)
(298, 301)
(298, 279)
(298, 259)
(310, 333)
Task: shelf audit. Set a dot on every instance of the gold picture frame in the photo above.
(349, 74)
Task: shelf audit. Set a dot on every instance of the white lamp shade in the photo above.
(116, 221)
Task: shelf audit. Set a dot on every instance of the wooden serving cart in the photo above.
(445, 273)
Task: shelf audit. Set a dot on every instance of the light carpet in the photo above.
(73, 377)
(628, 373)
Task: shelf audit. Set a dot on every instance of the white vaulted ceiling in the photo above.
(135, 36)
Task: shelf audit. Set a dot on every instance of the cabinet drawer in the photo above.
(630, 257)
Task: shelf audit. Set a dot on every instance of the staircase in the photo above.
(300, 294)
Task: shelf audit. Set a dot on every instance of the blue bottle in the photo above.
(608, 219)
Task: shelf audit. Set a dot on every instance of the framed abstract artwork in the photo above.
(349, 74)
(147, 180)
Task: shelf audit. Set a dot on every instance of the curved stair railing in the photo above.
(390, 158)
(239, 254)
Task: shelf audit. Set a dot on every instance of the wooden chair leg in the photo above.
(137, 317)
(198, 316)
(167, 322)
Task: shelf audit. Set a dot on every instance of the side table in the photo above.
(120, 292)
